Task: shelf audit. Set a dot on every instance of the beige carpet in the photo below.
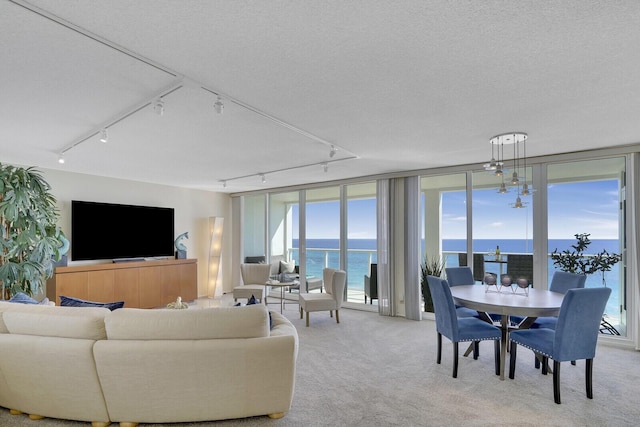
(379, 371)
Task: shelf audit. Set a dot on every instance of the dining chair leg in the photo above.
(476, 349)
(573, 362)
(545, 363)
(512, 360)
(536, 362)
(496, 355)
(439, 348)
(455, 359)
(556, 381)
(588, 373)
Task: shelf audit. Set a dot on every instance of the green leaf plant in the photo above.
(576, 261)
(31, 239)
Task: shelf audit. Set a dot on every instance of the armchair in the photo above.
(331, 299)
(371, 284)
(254, 279)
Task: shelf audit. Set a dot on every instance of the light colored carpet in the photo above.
(379, 371)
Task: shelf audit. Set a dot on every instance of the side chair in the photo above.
(371, 284)
(575, 336)
(459, 329)
(330, 300)
(254, 279)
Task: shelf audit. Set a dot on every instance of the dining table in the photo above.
(507, 302)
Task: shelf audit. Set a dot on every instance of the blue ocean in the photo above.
(362, 252)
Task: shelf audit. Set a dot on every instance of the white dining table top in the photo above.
(538, 303)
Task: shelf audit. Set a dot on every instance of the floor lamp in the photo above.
(216, 225)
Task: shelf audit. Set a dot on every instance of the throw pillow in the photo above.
(77, 302)
(288, 267)
(22, 298)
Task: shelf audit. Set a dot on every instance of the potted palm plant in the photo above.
(432, 266)
(31, 239)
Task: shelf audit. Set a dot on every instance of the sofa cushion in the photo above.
(77, 302)
(62, 322)
(250, 321)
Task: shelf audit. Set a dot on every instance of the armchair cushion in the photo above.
(288, 267)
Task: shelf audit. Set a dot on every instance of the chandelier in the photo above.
(519, 165)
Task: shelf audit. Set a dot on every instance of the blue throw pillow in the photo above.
(77, 302)
(22, 298)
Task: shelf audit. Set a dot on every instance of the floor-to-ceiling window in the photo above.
(282, 225)
(322, 229)
(585, 198)
(503, 223)
(253, 227)
(361, 242)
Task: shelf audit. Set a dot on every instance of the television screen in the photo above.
(112, 231)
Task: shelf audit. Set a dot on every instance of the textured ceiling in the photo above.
(393, 85)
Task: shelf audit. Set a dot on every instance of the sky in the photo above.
(586, 207)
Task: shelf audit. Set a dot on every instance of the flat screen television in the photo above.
(115, 231)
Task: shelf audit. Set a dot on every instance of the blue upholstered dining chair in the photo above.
(459, 329)
(575, 336)
(459, 276)
(561, 282)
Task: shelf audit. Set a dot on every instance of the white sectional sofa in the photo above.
(151, 366)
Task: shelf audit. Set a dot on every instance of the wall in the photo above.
(192, 211)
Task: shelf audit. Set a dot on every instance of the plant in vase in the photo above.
(576, 261)
(432, 266)
(31, 240)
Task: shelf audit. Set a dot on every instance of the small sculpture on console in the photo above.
(178, 304)
(181, 249)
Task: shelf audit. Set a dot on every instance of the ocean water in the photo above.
(361, 253)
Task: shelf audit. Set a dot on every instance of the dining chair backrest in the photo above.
(520, 266)
(578, 326)
(478, 265)
(562, 281)
(458, 276)
(443, 307)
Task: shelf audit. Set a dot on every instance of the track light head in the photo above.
(104, 137)
(219, 105)
(332, 151)
(158, 107)
(61, 158)
(263, 178)
(325, 166)
(224, 183)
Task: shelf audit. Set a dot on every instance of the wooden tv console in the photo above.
(144, 284)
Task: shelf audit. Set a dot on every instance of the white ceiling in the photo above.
(394, 85)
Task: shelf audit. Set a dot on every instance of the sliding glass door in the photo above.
(585, 199)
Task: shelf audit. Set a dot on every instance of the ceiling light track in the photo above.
(50, 16)
(98, 130)
(333, 148)
(263, 175)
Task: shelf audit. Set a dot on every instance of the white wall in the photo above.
(192, 210)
